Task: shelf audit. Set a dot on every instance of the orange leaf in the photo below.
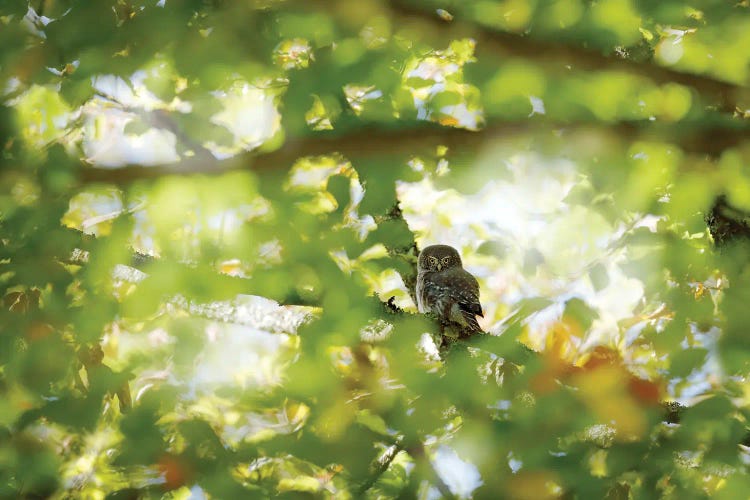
(38, 330)
(602, 356)
(449, 121)
(645, 391)
(175, 471)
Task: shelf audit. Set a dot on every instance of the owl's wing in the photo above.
(468, 294)
(464, 291)
(470, 307)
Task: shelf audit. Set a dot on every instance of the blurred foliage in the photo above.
(210, 214)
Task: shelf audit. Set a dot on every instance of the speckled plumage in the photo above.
(446, 289)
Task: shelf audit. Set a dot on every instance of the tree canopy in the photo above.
(210, 217)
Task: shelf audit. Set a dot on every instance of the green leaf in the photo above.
(137, 127)
(393, 233)
(446, 99)
(581, 312)
(373, 422)
(339, 186)
(599, 277)
(684, 361)
(712, 409)
(300, 483)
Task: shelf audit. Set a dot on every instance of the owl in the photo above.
(446, 289)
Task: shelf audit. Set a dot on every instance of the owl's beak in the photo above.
(439, 267)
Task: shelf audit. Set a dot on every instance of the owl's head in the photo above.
(438, 258)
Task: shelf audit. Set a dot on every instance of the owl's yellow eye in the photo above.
(446, 260)
(433, 261)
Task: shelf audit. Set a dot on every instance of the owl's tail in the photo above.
(470, 320)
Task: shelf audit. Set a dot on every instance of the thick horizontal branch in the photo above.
(405, 138)
(413, 138)
(723, 95)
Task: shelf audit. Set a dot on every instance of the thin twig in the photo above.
(383, 463)
(420, 453)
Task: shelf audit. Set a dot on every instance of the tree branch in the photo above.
(727, 224)
(383, 463)
(407, 137)
(419, 453)
(412, 138)
(723, 95)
